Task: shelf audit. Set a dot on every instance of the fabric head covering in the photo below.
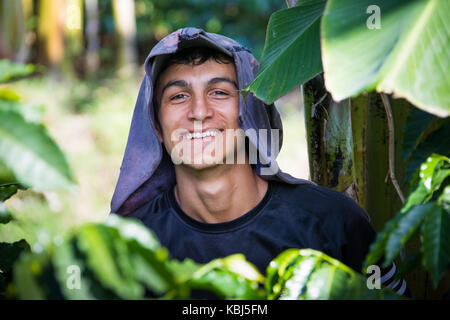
(147, 169)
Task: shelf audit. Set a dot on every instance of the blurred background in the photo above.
(90, 55)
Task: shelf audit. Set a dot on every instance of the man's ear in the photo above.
(156, 118)
(158, 131)
(158, 128)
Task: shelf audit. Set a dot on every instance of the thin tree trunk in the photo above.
(51, 33)
(93, 39)
(330, 139)
(12, 28)
(125, 22)
(74, 27)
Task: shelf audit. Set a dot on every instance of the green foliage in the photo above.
(242, 20)
(122, 259)
(290, 33)
(10, 71)
(416, 123)
(425, 213)
(26, 149)
(436, 141)
(308, 274)
(9, 252)
(404, 56)
(31, 154)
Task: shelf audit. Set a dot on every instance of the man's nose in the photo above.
(200, 109)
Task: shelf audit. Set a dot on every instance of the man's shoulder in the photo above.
(316, 198)
(156, 205)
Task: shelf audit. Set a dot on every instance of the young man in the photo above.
(200, 165)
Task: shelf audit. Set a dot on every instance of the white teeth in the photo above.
(197, 135)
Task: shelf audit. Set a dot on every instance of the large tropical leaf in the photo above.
(416, 123)
(408, 55)
(436, 239)
(35, 159)
(291, 53)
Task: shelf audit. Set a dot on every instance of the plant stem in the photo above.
(387, 107)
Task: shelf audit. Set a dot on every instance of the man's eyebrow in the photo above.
(175, 83)
(184, 84)
(223, 79)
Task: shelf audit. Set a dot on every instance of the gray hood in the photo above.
(147, 170)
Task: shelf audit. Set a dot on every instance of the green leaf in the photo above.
(291, 52)
(67, 263)
(34, 276)
(30, 113)
(279, 270)
(6, 176)
(97, 243)
(182, 270)
(410, 263)
(409, 222)
(31, 154)
(295, 283)
(313, 275)
(125, 256)
(433, 171)
(8, 95)
(416, 123)
(10, 71)
(436, 142)
(436, 242)
(232, 277)
(377, 248)
(407, 56)
(8, 190)
(9, 252)
(5, 216)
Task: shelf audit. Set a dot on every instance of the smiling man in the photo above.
(200, 165)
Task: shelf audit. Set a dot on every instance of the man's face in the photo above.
(197, 104)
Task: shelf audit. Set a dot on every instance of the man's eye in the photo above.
(178, 96)
(219, 92)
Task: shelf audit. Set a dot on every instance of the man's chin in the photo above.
(202, 164)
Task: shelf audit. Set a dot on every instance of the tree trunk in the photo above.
(125, 22)
(364, 170)
(51, 33)
(12, 28)
(93, 39)
(74, 27)
(330, 139)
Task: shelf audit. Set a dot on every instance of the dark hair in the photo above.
(195, 56)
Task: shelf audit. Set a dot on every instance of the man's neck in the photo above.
(219, 194)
